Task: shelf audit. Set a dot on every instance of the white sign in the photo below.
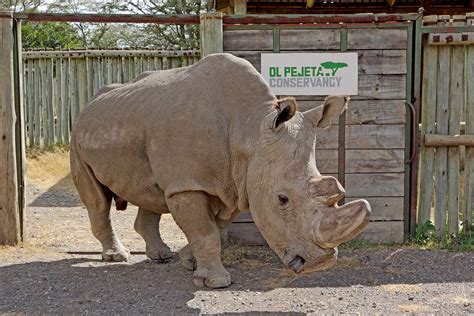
(311, 73)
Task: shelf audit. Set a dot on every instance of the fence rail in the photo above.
(57, 84)
(447, 158)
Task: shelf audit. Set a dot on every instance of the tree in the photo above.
(90, 34)
(21, 5)
(167, 36)
(49, 35)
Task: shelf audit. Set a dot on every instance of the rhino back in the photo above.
(174, 130)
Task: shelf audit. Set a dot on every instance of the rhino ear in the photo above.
(286, 110)
(327, 113)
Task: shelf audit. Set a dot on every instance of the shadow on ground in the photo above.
(82, 285)
(61, 194)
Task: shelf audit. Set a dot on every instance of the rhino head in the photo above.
(295, 207)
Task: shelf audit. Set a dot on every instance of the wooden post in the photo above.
(469, 161)
(240, 6)
(211, 33)
(11, 153)
(428, 117)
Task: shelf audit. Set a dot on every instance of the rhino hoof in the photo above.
(215, 281)
(163, 254)
(115, 255)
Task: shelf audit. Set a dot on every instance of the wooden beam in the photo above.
(449, 140)
(10, 231)
(211, 33)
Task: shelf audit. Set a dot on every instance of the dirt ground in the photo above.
(52, 274)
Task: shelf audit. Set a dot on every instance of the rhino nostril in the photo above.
(296, 264)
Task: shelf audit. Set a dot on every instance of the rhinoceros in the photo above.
(204, 143)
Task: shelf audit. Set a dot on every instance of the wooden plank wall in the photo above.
(57, 84)
(447, 168)
(375, 124)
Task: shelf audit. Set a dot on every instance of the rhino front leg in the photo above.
(147, 225)
(186, 254)
(192, 213)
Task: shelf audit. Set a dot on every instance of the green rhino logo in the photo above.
(333, 66)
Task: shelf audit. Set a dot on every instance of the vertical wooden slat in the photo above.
(90, 77)
(125, 70)
(30, 90)
(469, 160)
(120, 70)
(19, 126)
(441, 156)
(66, 104)
(50, 99)
(136, 67)
(176, 62)
(456, 96)
(103, 76)
(25, 98)
(158, 63)
(428, 117)
(37, 101)
(58, 101)
(73, 90)
(44, 101)
(95, 74)
(81, 83)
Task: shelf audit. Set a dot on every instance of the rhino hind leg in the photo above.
(191, 212)
(97, 200)
(147, 225)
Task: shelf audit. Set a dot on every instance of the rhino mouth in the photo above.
(300, 265)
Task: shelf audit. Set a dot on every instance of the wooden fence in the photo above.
(447, 158)
(57, 84)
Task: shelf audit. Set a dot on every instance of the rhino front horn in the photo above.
(338, 225)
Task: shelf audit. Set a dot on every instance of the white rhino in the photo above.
(204, 143)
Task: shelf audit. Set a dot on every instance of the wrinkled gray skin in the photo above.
(203, 143)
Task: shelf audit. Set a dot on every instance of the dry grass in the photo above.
(348, 262)
(250, 256)
(46, 168)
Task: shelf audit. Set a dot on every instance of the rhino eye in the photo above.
(283, 199)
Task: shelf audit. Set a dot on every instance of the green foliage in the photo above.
(49, 35)
(425, 233)
(425, 236)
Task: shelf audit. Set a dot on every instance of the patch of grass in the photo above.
(360, 243)
(47, 166)
(250, 256)
(425, 237)
(34, 152)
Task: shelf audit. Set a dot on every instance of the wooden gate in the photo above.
(446, 182)
(369, 148)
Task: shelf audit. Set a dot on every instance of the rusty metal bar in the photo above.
(228, 19)
(107, 18)
(311, 19)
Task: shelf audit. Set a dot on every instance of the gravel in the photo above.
(42, 278)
